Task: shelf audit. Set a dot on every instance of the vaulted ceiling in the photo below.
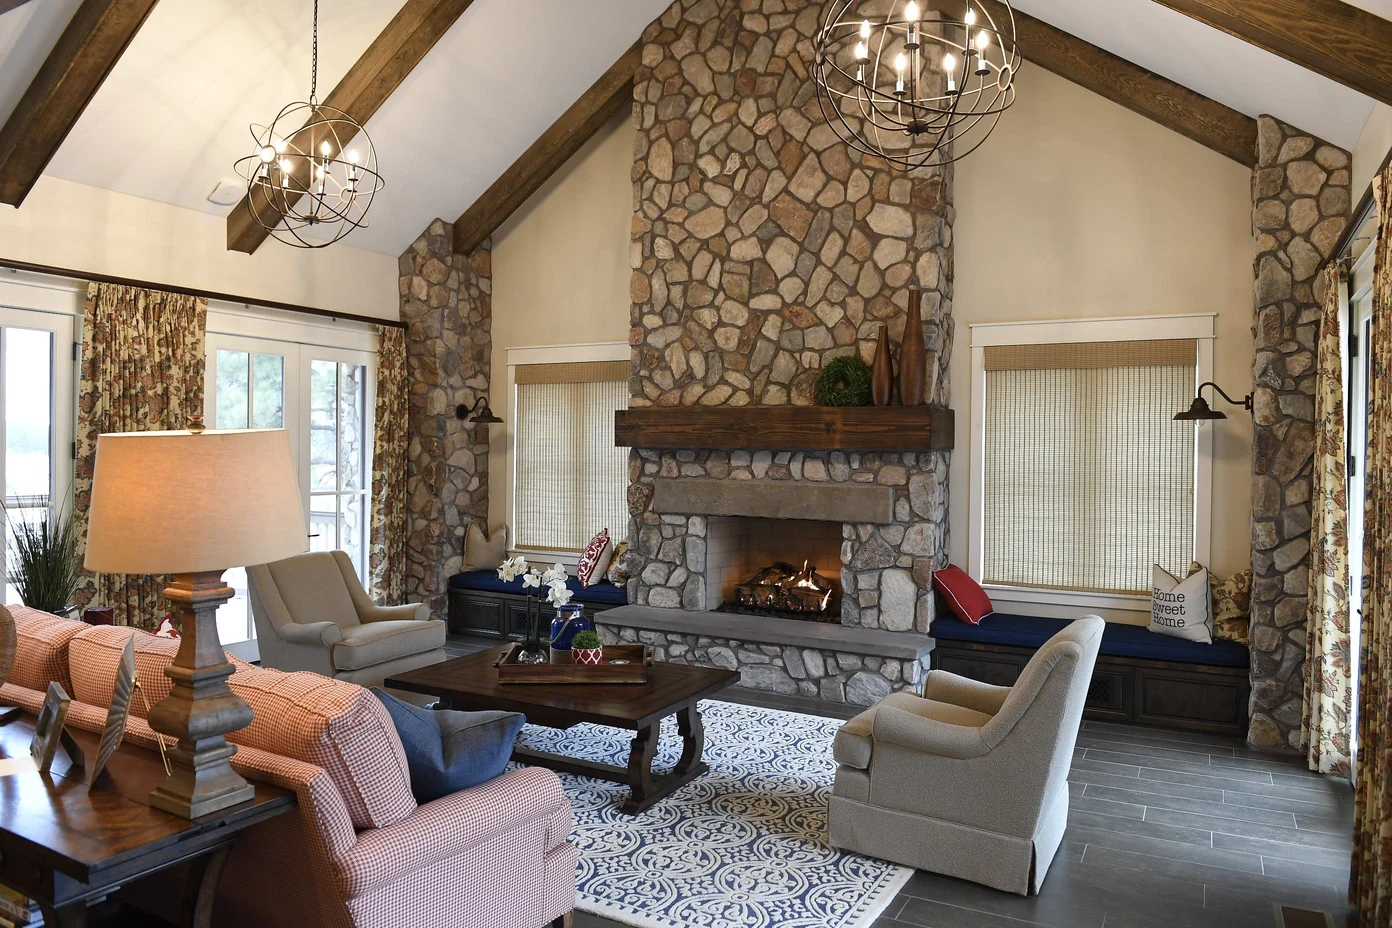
(171, 117)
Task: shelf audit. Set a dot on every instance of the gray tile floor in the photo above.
(1166, 828)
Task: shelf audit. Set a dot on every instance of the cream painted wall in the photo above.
(561, 273)
(71, 225)
(1371, 147)
(1078, 208)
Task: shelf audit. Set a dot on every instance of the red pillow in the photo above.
(594, 561)
(965, 597)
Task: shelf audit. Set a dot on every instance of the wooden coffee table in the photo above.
(672, 689)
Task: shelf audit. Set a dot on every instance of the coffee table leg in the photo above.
(69, 916)
(640, 759)
(693, 735)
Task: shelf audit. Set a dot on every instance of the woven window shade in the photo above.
(1088, 481)
(570, 479)
(572, 372)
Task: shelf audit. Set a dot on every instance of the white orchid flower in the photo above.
(557, 574)
(558, 594)
(531, 579)
(511, 568)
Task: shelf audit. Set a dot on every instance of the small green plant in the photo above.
(43, 559)
(585, 641)
(845, 381)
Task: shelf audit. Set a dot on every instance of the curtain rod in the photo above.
(1361, 209)
(206, 294)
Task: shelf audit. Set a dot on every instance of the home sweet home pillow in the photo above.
(1181, 608)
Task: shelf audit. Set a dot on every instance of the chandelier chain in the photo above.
(314, 59)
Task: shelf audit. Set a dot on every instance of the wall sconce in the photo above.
(1200, 411)
(478, 414)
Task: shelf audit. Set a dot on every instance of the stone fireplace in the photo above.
(739, 547)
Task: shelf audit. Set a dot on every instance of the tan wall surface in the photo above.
(70, 225)
(1079, 208)
(561, 273)
(1371, 147)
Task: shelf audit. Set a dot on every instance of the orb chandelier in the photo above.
(306, 187)
(917, 88)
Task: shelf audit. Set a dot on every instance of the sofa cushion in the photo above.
(313, 589)
(41, 648)
(1118, 640)
(95, 654)
(377, 642)
(853, 743)
(447, 750)
(487, 581)
(335, 725)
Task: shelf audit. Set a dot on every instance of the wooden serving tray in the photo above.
(639, 656)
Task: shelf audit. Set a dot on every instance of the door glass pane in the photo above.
(323, 522)
(352, 394)
(353, 529)
(323, 426)
(233, 616)
(231, 389)
(268, 396)
(28, 365)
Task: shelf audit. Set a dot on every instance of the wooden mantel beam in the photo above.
(1157, 98)
(567, 135)
(84, 55)
(1343, 42)
(412, 32)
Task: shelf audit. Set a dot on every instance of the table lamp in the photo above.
(193, 504)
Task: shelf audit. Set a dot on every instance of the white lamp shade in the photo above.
(179, 502)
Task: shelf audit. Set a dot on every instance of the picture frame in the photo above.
(119, 712)
(49, 729)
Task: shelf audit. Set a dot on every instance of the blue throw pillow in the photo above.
(447, 751)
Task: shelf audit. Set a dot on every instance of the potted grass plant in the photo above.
(43, 556)
(586, 649)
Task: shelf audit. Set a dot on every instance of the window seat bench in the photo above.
(481, 604)
(1141, 677)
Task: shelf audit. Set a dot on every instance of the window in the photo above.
(1081, 477)
(339, 444)
(569, 479)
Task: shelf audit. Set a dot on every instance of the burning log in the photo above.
(783, 586)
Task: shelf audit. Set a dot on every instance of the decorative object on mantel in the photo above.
(917, 92)
(845, 381)
(913, 354)
(302, 154)
(478, 414)
(43, 554)
(192, 503)
(882, 371)
(786, 428)
(1200, 411)
(587, 649)
(49, 730)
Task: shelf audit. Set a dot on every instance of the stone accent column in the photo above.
(446, 302)
(1300, 205)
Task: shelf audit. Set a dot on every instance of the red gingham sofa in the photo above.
(357, 850)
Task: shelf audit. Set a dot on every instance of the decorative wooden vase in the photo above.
(882, 371)
(912, 355)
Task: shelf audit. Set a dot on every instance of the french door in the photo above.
(1357, 374)
(323, 397)
(36, 415)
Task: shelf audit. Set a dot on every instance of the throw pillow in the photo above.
(594, 560)
(1181, 608)
(167, 628)
(447, 751)
(964, 596)
(484, 553)
(617, 573)
(1232, 604)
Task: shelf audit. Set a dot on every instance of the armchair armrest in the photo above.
(418, 612)
(449, 827)
(929, 736)
(942, 686)
(315, 634)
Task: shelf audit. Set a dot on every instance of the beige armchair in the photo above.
(970, 780)
(312, 613)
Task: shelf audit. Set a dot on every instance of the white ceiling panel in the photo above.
(1217, 65)
(27, 34)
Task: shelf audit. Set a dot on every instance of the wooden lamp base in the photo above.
(201, 709)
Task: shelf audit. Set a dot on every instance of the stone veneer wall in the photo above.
(1301, 201)
(763, 247)
(445, 301)
(832, 676)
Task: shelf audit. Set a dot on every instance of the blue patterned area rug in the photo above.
(742, 846)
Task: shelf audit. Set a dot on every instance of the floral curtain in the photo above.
(1324, 726)
(388, 529)
(142, 369)
(1370, 884)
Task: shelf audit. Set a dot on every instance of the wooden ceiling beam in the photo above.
(412, 32)
(1343, 42)
(1157, 98)
(84, 55)
(567, 135)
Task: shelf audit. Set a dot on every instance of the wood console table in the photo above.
(63, 846)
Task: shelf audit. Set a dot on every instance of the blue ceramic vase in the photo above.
(569, 621)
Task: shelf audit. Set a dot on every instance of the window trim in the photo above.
(544, 354)
(1198, 326)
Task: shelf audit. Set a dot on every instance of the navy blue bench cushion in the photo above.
(1118, 640)
(601, 594)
